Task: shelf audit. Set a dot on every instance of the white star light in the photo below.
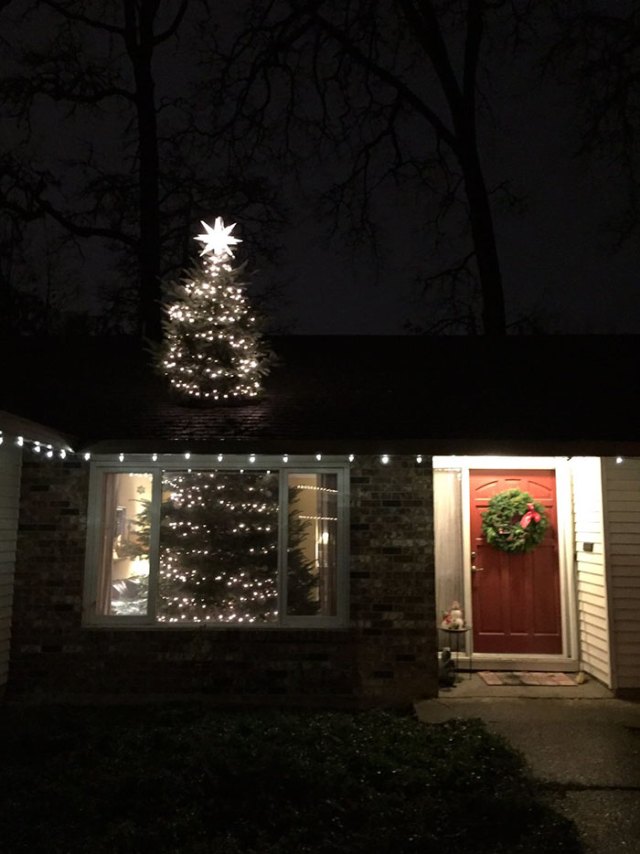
(217, 240)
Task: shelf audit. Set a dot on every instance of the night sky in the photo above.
(557, 253)
(557, 257)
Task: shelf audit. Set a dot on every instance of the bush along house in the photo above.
(300, 548)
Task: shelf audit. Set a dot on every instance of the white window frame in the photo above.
(143, 464)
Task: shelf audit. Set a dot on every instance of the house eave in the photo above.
(33, 431)
(372, 446)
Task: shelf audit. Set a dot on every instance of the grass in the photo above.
(191, 780)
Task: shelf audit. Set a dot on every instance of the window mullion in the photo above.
(283, 539)
(344, 503)
(154, 545)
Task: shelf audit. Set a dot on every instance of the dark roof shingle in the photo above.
(338, 394)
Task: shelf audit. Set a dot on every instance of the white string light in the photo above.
(209, 311)
(63, 453)
(36, 445)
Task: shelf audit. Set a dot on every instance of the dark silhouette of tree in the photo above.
(597, 51)
(146, 159)
(392, 87)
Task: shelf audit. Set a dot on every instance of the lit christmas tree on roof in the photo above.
(213, 349)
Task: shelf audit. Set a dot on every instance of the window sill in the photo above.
(208, 627)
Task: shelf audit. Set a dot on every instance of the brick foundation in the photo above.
(387, 655)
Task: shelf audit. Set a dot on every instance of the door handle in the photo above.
(475, 568)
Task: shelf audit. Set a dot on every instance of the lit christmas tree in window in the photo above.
(213, 348)
(219, 550)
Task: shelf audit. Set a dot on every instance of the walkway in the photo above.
(583, 744)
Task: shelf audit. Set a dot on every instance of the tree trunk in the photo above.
(140, 48)
(484, 241)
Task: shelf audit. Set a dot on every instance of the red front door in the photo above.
(516, 597)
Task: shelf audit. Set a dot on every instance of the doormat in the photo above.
(550, 680)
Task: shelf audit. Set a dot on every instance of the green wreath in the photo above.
(514, 522)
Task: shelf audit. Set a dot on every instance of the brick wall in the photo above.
(387, 656)
(392, 602)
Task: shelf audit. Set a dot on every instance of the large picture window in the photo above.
(238, 546)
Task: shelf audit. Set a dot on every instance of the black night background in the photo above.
(295, 296)
(392, 166)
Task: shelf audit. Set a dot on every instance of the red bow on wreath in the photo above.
(531, 515)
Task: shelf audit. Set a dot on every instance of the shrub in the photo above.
(185, 779)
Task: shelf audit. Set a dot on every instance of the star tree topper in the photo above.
(217, 240)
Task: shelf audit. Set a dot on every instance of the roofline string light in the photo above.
(46, 449)
(252, 458)
(63, 452)
(38, 446)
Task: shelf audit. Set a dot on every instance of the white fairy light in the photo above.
(187, 455)
(121, 457)
(619, 460)
(351, 457)
(63, 454)
(220, 458)
(211, 308)
(20, 441)
(285, 458)
(154, 457)
(87, 455)
(384, 459)
(252, 458)
(318, 457)
(419, 459)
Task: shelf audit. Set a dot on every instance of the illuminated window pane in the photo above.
(123, 587)
(312, 552)
(219, 547)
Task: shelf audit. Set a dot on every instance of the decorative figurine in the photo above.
(456, 616)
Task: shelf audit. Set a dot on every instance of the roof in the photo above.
(16, 426)
(339, 394)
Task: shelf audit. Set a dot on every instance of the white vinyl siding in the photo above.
(622, 527)
(590, 568)
(10, 465)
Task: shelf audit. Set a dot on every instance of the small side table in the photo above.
(460, 636)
